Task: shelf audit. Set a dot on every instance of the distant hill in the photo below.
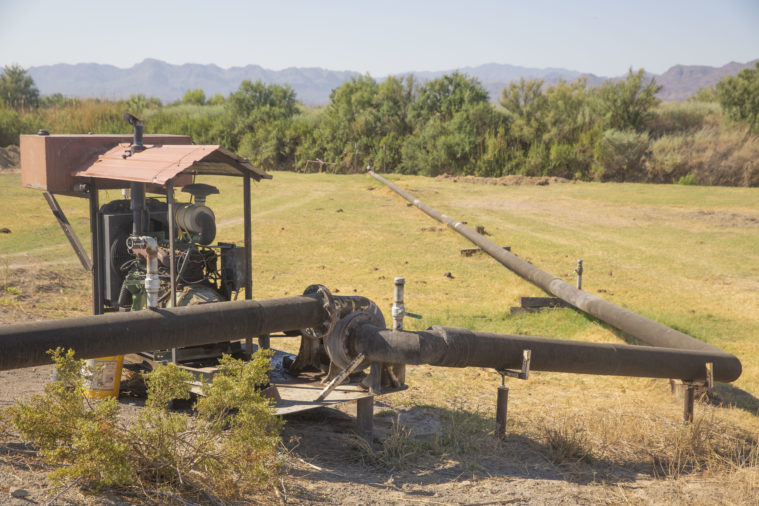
(683, 81)
(313, 85)
(169, 82)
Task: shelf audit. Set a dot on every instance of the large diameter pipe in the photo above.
(26, 344)
(454, 347)
(640, 327)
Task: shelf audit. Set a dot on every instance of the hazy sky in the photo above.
(381, 37)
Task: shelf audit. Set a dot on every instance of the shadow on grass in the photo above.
(464, 448)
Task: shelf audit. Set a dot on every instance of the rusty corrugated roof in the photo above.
(160, 163)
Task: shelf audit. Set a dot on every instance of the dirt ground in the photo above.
(323, 463)
(511, 180)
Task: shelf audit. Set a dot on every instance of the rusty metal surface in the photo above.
(455, 347)
(158, 164)
(26, 344)
(301, 393)
(48, 160)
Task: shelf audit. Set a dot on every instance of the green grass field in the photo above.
(687, 256)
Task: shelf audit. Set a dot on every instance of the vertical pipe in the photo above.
(689, 398)
(172, 255)
(365, 418)
(501, 409)
(138, 208)
(248, 239)
(398, 312)
(97, 267)
(398, 307)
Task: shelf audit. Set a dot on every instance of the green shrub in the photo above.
(669, 159)
(226, 449)
(682, 117)
(619, 156)
(536, 162)
(688, 180)
(10, 125)
(724, 156)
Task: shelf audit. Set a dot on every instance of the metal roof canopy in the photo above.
(160, 163)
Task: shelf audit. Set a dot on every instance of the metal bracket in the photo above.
(322, 293)
(689, 395)
(68, 230)
(523, 374)
(338, 380)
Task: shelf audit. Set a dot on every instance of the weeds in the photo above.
(227, 449)
(397, 452)
(567, 443)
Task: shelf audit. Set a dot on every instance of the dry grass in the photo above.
(685, 256)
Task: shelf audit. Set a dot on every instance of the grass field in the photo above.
(687, 256)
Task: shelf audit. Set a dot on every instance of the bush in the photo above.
(682, 117)
(669, 159)
(724, 156)
(10, 125)
(226, 449)
(619, 156)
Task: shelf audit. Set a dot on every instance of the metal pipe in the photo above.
(147, 246)
(399, 310)
(26, 344)
(455, 347)
(137, 204)
(640, 327)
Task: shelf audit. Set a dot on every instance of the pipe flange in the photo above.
(336, 342)
(328, 302)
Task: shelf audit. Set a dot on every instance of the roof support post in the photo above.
(97, 265)
(248, 239)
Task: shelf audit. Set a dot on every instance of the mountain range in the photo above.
(312, 85)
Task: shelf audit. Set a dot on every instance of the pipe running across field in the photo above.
(640, 327)
(26, 344)
(455, 347)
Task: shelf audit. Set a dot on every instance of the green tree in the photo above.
(17, 88)
(444, 96)
(255, 117)
(10, 125)
(217, 99)
(351, 126)
(627, 104)
(196, 97)
(525, 102)
(455, 129)
(739, 97)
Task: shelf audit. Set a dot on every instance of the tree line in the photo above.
(618, 131)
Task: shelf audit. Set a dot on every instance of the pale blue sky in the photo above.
(381, 37)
